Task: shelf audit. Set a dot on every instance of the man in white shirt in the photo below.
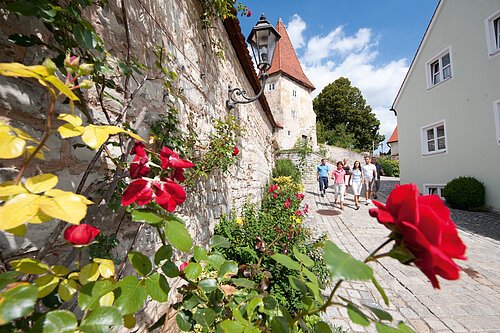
(370, 174)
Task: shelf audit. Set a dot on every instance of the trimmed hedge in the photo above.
(464, 193)
(286, 168)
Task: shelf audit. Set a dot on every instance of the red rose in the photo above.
(82, 234)
(426, 229)
(138, 167)
(287, 203)
(275, 195)
(272, 188)
(166, 193)
(249, 13)
(299, 196)
(183, 265)
(236, 151)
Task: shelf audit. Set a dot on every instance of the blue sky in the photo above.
(371, 42)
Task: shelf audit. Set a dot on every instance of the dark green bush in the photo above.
(390, 167)
(287, 168)
(464, 193)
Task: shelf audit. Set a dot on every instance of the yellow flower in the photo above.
(239, 220)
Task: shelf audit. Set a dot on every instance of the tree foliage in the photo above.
(343, 113)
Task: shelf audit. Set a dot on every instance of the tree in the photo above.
(341, 107)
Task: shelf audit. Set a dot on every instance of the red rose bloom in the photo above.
(183, 265)
(249, 13)
(166, 193)
(298, 213)
(287, 203)
(299, 196)
(82, 234)
(236, 151)
(272, 188)
(275, 195)
(138, 167)
(427, 230)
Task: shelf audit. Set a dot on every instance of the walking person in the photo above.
(356, 181)
(369, 174)
(380, 171)
(338, 176)
(322, 172)
(347, 170)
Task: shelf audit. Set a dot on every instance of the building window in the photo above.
(294, 115)
(434, 139)
(439, 69)
(294, 93)
(430, 189)
(271, 86)
(496, 111)
(288, 132)
(492, 26)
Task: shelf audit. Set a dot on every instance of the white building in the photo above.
(448, 106)
(288, 91)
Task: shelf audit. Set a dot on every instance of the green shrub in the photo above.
(464, 193)
(390, 167)
(286, 168)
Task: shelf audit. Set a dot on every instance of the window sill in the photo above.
(439, 152)
(440, 83)
(494, 54)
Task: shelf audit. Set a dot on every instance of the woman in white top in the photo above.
(356, 181)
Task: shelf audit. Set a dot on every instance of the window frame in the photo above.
(294, 93)
(424, 139)
(496, 116)
(271, 86)
(429, 67)
(439, 188)
(492, 36)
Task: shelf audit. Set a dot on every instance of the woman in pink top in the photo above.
(339, 183)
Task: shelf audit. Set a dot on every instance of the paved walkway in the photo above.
(471, 304)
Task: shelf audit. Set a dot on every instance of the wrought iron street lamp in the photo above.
(262, 39)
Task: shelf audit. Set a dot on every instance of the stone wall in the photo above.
(202, 86)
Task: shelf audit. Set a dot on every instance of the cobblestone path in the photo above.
(471, 304)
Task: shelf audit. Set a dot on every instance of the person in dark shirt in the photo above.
(380, 172)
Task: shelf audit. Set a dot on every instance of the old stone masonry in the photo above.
(471, 304)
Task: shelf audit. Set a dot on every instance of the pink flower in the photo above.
(249, 13)
(299, 196)
(166, 193)
(287, 203)
(183, 265)
(236, 151)
(275, 195)
(273, 188)
(306, 209)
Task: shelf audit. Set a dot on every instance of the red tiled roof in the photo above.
(394, 136)
(285, 59)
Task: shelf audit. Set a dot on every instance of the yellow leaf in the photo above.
(20, 70)
(71, 118)
(60, 193)
(67, 289)
(89, 273)
(23, 135)
(7, 191)
(61, 87)
(74, 275)
(59, 270)
(19, 231)
(69, 131)
(106, 267)
(129, 320)
(18, 210)
(46, 284)
(107, 299)
(29, 266)
(69, 208)
(11, 146)
(94, 136)
(41, 183)
(40, 217)
(39, 154)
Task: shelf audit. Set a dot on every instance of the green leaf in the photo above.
(178, 235)
(130, 295)
(29, 266)
(208, 285)
(89, 273)
(146, 216)
(315, 290)
(279, 325)
(229, 326)
(215, 260)
(46, 284)
(157, 287)
(170, 269)
(242, 282)
(7, 278)
(23, 40)
(310, 275)
(357, 316)
(269, 303)
(322, 327)
(402, 254)
(204, 317)
(60, 321)
(219, 241)
(141, 263)
(343, 266)
(200, 253)
(308, 262)
(297, 284)
(286, 261)
(67, 288)
(183, 321)
(163, 253)
(17, 301)
(191, 301)
(381, 314)
(24, 8)
(84, 38)
(91, 293)
(228, 269)
(192, 271)
(255, 302)
(104, 319)
(405, 328)
(19, 231)
(380, 290)
(382, 328)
